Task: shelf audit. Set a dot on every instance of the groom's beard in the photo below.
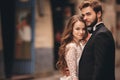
(90, 27)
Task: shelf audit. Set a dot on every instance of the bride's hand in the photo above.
(67, 73)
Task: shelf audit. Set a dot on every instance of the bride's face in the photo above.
(78, 31)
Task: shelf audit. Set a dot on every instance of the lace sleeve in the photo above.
(71, 59)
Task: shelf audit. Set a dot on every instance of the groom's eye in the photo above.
(88, 13)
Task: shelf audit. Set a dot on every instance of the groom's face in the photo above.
(89, 16)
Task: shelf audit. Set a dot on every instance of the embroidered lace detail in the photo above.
(73, 54)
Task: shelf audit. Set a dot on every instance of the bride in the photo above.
(73, 39)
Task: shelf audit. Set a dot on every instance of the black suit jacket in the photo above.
(98, 58)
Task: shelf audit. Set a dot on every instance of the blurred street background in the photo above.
(36, 59)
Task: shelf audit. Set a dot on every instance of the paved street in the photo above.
(53, 77)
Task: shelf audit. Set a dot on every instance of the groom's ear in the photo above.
(99, 15)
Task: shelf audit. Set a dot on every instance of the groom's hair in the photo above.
(94, 4)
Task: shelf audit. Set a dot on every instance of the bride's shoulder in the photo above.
(71, 44)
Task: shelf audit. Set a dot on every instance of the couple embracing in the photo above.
(87, 50)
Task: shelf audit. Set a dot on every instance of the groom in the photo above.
(98, 57)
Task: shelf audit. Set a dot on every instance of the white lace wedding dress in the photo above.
(73, 55)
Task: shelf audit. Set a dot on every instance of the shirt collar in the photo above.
(94, 28)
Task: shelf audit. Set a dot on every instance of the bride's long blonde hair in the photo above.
(66, 38)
